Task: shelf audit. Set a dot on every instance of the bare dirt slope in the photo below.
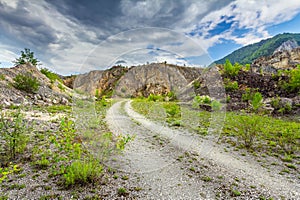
(175, 164)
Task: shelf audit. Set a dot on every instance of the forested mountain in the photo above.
(266, 47)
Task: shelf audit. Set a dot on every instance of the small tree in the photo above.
(26, 57)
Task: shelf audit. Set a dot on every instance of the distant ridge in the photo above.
(249, 53)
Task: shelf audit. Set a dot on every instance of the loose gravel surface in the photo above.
(174, 164)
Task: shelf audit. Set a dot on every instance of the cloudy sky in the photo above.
(73, 36)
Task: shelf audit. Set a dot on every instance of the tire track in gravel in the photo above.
(155, 166)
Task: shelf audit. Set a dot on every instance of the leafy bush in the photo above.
(52, 76)
(26, 57)
(231, 70)
(26, 83)
(247, 128)
(15, 132)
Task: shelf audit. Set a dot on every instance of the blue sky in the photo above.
(78, 36)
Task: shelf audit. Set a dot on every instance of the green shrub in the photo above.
(82, 172)
(15, 132)
(294, 80)
(26, 83)
(247, 128)
(247, 95)
(275, 102)
(172, 110)
(256, 101)
(216, 105)
(247, 67)
(50, 75)
(199, 100)
(231, 70)
(231, 85)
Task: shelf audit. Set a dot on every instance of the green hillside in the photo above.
(266, 47)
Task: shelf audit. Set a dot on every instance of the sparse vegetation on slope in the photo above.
(26, 83)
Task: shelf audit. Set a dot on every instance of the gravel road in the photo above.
(175, 164)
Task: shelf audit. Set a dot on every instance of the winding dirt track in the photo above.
(152, 157)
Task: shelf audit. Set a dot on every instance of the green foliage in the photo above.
(4, 172)
(50, 75)
(61, 87)
(196, 84)
(172, 110)
(122, 191)
(251, 130)
(26, 83)
(2, 77)
(26, 57)
(200, 100)
(216, 105)
(294, 80)
(122, 140)
(275, 102)
(254, 98)
(266, 47)
(171, 95)
(97, 94)
(230, 86)
(15, 132)
(267, 129)
(247, 128)
(42, 163)
(153, 97)
(247, 67)
(236, 192)
(231, 70)
(256, 101)
(82, 172)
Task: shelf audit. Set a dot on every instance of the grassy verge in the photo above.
(277, 137)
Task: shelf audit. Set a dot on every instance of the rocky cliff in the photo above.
(287, 46)
(280, 60)
(155, 78)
